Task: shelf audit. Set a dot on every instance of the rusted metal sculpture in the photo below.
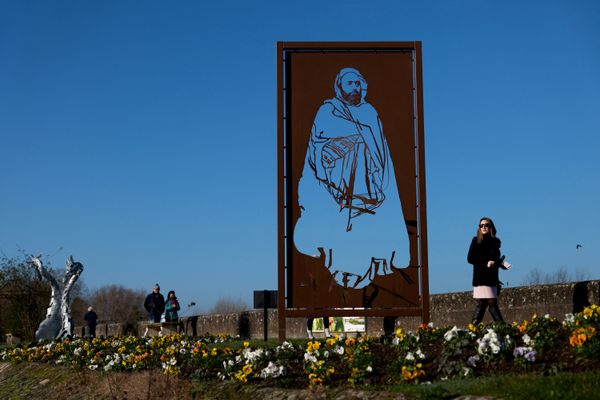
(58, 324)
(352, 229)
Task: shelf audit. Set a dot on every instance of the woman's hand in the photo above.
(490, 264)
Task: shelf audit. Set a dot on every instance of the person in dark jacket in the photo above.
(155, 304)
(90, 319)
(484, 254)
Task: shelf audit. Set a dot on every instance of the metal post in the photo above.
(266, 314)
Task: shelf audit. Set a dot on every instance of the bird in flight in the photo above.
(578, 247)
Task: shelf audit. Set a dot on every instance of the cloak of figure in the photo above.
(57, 324)
(351, 215)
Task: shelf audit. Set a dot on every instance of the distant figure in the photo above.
(484, 254)
(90, 318)
(155, 304)
(309, 327)
(171, 307)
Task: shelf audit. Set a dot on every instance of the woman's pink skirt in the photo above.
(485, 292)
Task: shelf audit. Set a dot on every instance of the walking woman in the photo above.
(484, 254)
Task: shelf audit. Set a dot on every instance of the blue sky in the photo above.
(140, 137)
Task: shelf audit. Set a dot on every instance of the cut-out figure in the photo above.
(351, 216)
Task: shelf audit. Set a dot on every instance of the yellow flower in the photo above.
(400, 334)
(246, 344)
(247, 369)
(312, 346)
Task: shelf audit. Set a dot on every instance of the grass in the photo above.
(563, 385)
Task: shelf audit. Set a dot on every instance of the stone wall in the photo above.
(519, 303)
(516, 304)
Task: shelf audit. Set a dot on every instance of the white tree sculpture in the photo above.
(57, 324)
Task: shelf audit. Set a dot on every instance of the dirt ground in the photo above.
(44, 382)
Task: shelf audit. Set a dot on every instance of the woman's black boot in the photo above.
(496, 314)
(479, 312)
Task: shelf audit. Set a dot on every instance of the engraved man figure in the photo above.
(351, 214)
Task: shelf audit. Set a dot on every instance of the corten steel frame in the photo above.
(305, 287)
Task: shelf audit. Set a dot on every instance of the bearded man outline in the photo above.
(350, 211)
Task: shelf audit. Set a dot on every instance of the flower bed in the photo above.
(426, 355)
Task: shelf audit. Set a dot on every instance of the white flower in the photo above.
(420, 354)
(494, 347)
(93, 367)
(284, 346)
(410, 356)
(338, 350)
(527, 340)
(395, 341)
(272, 370)
(251, 356)
(369, 369)
(310, 358)
(489, 341)
(451, 334)
(569, 319)
(472, 361)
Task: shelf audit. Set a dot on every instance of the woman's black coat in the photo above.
(479, 255)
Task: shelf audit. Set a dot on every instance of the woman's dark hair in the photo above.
(169, 294)
(492, 229)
